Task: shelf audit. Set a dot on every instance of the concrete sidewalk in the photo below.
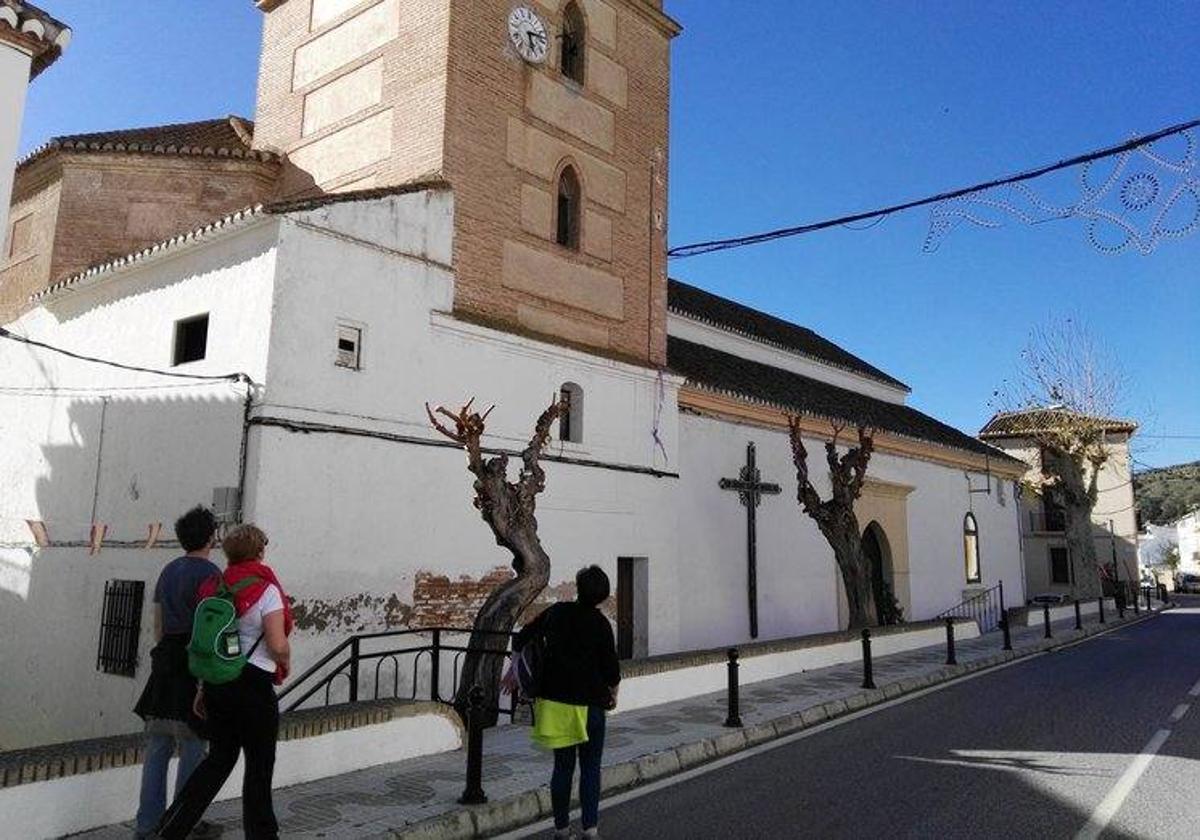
(417, 798)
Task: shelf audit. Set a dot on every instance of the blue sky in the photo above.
(786, 112)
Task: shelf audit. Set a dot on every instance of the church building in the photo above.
(437, 200)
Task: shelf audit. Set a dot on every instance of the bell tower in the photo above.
(547, 117)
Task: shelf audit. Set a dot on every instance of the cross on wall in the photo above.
(750, 489)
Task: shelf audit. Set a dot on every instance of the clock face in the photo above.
(527, 32)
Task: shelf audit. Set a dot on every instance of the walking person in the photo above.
(242, 715)
(166, 701)
(577, 686)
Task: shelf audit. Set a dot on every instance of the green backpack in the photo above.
(215, 651)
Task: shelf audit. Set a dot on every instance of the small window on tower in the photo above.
(570, 420)
(349, 347)
(569, 200)
(574, 37)
(191, 339)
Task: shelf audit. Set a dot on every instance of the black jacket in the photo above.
(581, 656)
(169, 691)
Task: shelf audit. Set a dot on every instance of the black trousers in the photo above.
(243, 716)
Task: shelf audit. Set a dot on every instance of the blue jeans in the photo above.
(589, 775)
(159, 749)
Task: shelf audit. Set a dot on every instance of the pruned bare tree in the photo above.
(835, 516)
(1063, 402)
(508, 508)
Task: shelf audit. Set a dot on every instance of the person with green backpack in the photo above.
(239, 651)
(166, 702)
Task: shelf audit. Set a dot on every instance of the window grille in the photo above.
(971, 549)
(120, 627)
(570, 421)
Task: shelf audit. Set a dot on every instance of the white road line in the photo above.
(1108, 807)
(1195, 692)
(1180, 711)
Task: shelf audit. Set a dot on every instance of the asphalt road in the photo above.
(1040, 749)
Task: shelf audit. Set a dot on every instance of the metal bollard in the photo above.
(1148, 605)
(1007, 635)
(1119, 598)
(1078, 617)
(868, 670)
(1100, 600)
(1137, 602)
(950, 658)
(473, 793)
(733, 717)
(1046, 619)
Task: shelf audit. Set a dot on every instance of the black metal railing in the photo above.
(986, 608)
(371, 666)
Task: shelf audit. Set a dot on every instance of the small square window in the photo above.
(349, 347)
(191, 339)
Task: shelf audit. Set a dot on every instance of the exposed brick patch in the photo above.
(439, 601)
(353, 614)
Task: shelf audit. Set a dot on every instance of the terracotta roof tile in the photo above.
(726, 314)
(1009, 424)
(720, 372)
(229, 136)
(45, 36)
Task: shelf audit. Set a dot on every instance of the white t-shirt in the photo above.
(250, 627)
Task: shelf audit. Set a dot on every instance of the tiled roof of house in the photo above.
(227, 223)
(724, 373)
(1009, 424)
(228, 137)
(726, 314)
(44, 36)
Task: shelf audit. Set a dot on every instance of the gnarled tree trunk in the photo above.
(508, 509)
(1074, 489)
(835, 516)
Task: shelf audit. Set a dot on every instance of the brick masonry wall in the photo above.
(486, 87)
(439, 601)
(35, 199)
(103, 206)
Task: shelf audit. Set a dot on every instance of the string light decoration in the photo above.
(1133, 200)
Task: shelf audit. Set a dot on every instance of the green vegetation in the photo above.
(1167, 493)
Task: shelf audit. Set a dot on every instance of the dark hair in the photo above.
(591, 586)
(195, 528)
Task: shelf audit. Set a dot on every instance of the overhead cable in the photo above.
(226, 377)
(712, 245)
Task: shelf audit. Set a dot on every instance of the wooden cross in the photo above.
(750, 489)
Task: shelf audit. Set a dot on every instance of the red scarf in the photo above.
(247, 597)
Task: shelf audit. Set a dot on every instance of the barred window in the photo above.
(120, 627)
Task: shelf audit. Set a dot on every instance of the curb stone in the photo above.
(530, 806)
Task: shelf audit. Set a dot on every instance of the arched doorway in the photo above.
(875, 547)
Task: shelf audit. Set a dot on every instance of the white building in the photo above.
(327, 322)
(1187, 537)
(1048, 569)
(30, 41)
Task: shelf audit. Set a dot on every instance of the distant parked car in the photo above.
(1188, 583)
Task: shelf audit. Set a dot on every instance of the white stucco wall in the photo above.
(14, 81)
(353, 515)
(798, 582)
(165, 445)
(1187, 534)
(355, 520)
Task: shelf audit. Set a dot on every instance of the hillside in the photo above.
(1167, 493)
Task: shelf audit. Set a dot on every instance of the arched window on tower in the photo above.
(971, 548)
(570, 421)
(569, 209)
(572, 41)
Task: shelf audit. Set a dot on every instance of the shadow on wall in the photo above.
(127, 462)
